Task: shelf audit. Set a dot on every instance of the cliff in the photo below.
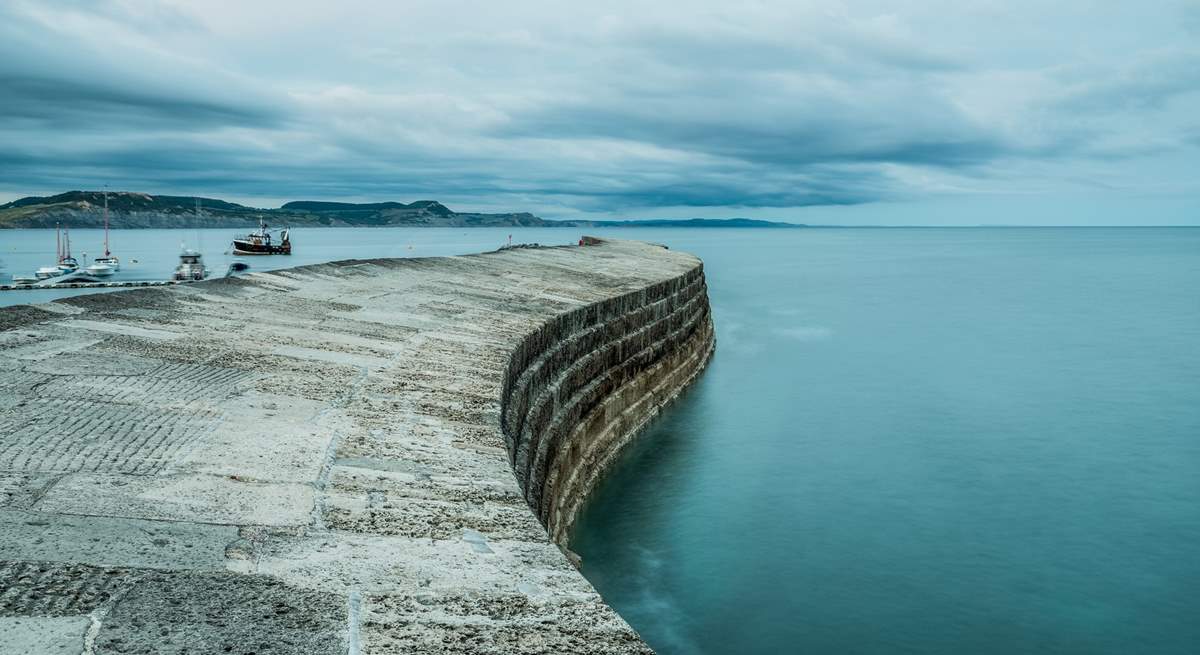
(362, 456)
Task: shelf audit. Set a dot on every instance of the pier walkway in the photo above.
(321, 459)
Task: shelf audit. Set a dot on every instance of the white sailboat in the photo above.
(62, 257)
(109, 260)
(67, 263)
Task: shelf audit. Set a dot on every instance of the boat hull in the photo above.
(247, 248)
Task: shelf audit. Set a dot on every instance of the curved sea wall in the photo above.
(339, 458)
(582, 385)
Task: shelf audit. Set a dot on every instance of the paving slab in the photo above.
(43, 635)
(224, 500)
(107, 541)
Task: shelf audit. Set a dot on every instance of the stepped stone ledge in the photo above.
(362, 457)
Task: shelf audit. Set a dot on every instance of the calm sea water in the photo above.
(923, 441)
(909, 440)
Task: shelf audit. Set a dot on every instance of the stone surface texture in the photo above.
(363, 457)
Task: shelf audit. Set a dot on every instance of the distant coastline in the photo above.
(685, 222)
(130, 210)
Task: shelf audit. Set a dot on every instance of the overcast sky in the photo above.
(1068, 112)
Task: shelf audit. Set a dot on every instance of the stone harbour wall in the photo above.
(583, 384)
(337, 458)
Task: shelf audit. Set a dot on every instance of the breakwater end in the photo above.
(363, 457)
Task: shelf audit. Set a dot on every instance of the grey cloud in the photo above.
(795, 142)
(67, 103)
(842, 52)
(732, 193)
(672, 111)
(146, 15)
(189, 163)
(1190, 18)
(51, 82)
(768, 100)
(1147, 82)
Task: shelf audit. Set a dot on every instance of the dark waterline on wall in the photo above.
(925, 441)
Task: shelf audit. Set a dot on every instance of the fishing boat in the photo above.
(110, 260)
(191, 266)
(262, 243)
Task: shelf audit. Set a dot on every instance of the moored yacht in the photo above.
(46, 272)
(65, 263)
(99, 269)
(110, 260)
(191, 266)
(191, 262)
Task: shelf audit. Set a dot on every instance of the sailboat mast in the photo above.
(58, 242)
(106, 252)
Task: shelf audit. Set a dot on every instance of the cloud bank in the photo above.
(769, 109)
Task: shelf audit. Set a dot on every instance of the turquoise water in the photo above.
(923, 441)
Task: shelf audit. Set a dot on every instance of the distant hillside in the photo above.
(85, 209)
(432, 206)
